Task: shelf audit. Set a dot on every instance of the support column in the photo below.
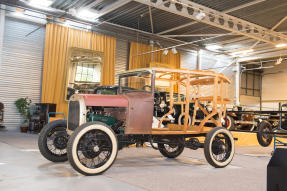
(237, 84)
(198, 63)
(2, 24)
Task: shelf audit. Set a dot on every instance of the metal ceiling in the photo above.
(266, 13)
(136, 15)
(134, 18)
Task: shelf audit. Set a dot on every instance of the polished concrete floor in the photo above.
(23, 168)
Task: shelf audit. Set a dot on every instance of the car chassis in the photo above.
(91, 143)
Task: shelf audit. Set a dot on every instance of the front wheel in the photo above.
(52, 141)
(172, 149)
(92, 148)
(219, 147)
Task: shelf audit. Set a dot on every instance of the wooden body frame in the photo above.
(192, 81)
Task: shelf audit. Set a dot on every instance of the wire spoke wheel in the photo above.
(172, 149)
(57, 141)
(92, 148)
(219, 147)
(53, 140)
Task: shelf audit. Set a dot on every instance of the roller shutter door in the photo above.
(21, 67)
(121, 58)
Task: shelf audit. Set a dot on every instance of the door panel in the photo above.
(140, 113)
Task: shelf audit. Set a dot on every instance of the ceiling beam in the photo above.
(150, 34)
(194, 35)
(226, 11)
(264, 55)
(109, 8)
(272, 29)
(218, 19)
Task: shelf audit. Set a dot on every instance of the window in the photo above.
(86, 72)
(83, 72)
(250, 83)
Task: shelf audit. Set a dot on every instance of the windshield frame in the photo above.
(137, 73)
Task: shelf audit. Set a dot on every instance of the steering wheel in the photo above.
(157, 99)
(146, 86)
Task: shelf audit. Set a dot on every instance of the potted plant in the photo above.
(23, 106)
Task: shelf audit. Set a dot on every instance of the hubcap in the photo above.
(94, 148)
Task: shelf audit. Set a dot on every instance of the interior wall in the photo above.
(142, 61)
(220, 64)
(20, 67)
(251, 102)
(274, 85)
(121, 58)
(188, 60)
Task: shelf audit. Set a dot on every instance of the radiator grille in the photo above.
(73, 115)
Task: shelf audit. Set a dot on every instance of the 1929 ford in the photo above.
(100, 125)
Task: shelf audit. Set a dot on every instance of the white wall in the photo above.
(274, 85)
(251, 102)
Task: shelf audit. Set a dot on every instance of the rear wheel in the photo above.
(92, 148)
(52, 141)
(219, 147)
(229, 123)
(172, 149)
(181, 119)
(263, 138)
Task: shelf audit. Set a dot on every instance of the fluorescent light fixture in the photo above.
(41, 3)
(281, 45)
(213, 47)
(242, 52)
(174, 51)
(165, 52)
(200, 15)
(87, 15)
(89, 27)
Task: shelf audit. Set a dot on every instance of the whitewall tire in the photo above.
(219, 147)
(92, 148)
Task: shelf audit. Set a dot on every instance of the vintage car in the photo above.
(98, 125)
(161, 104)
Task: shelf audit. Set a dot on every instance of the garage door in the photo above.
(21, 67)
(121, 58)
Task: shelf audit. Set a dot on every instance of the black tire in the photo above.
(78, 137)
(177, 148)
(264, 139)
(230, 123)
(52, 129)
(181, 119)
(214, 146)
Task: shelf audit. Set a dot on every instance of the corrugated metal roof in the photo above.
(266, 14)
(221, 5)
(136, 15)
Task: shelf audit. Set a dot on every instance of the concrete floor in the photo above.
(23, 168)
